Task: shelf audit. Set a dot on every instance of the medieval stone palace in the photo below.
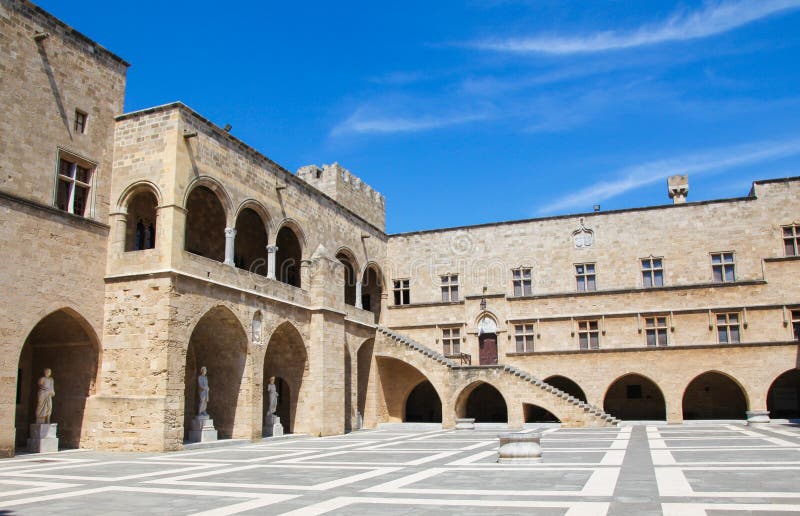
(139, 247)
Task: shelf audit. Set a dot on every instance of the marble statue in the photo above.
(44, 403)
(202, 384)
(273, 396)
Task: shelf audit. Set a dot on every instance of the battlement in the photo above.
(341, 185)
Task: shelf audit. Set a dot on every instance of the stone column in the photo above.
(120, 226)
(272, 251)
(305, 273)
(230, 237)
(358, 295)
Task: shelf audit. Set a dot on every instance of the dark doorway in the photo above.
(486, 405)
(714, 396)
(635, 397)
(423, 405)
(783, 398)
(487, 349)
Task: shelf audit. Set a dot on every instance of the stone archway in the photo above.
(635, 397)
(423, 404)
(205, 224)
(140, 227)
(537, 414)
(714, 395)
(783, 397)
(286, 359)
(64, 342)
(348, 276)
(219, 343)
(483, 402)
(288, 257)
(372, 290)
(250, 242)
(363, 369)
(566, 385)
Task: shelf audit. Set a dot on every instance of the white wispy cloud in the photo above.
(637, 176)
(368, 121)
(715, 18)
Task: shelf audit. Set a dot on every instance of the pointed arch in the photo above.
(567, 385)
(348, 259)
(423, 404)
(286, 359)
(373, 286)
(208, 215)
(783, 396)
(218, 341)
(482, 401)
(291, 245)
(216, 187)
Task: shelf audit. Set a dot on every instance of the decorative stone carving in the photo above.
(465, 423)
(583, 237)
(520, 448)
(487, 325)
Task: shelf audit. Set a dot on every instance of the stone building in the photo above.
(141, 246)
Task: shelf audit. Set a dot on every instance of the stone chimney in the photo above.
(678, 187)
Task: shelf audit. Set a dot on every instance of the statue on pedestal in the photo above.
(273, 396)
(202, 384)
(44, 402)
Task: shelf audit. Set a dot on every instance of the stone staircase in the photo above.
(598, 415)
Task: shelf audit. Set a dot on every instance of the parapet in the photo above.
(339, 184)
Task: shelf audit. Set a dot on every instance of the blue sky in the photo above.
(478, 111)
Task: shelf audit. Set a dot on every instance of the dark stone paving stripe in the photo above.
(637, 491)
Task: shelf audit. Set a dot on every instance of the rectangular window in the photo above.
(723, 267)
(585, 276)
(450, 288)
(791, 240)
(524, 336)
(80, 121)
(728, 328)
(652, 272)
(656, 330)
(588, 335)
(74, 183)
(402, 292)
(451, 341)
(521, 279)
(796, 324)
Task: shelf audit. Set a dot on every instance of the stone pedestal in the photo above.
(465, 423)
(203, 430)
(359, 421)
(520, 448)
(757, 417)
(43, 438)
(272, 426)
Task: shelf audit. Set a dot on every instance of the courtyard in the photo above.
(677, 469)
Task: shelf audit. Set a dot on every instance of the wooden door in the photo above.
(487, 349)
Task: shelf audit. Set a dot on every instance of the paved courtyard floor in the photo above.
(673, 470)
